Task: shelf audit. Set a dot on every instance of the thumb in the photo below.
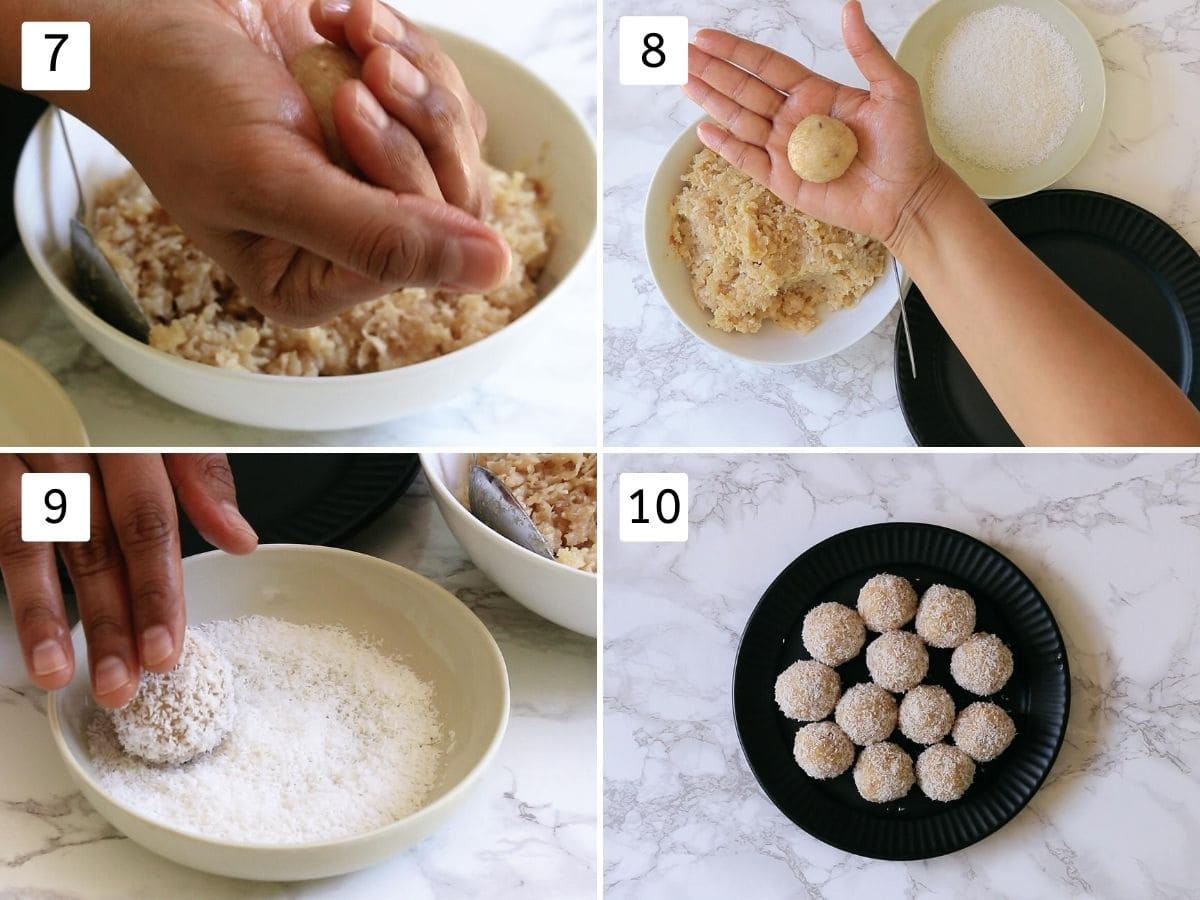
(885, 76)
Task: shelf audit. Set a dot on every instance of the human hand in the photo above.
(245, 172)
(128, 579)
(757, 96)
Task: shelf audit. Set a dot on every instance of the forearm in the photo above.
(1057, 370)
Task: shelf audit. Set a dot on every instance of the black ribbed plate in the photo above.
(1037, 696)
(1131, 266)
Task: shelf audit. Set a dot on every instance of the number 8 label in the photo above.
(653, 506)
(653, 49)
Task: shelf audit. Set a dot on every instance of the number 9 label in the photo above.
(654, 507)
(56, 507)
(653, 49)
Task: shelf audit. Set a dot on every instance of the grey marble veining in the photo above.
(545, 398)
(1112, 542)
(663, 387)
(528, 831)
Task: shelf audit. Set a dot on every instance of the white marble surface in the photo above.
(546, 398)
(1110, 541)
(529, 829)
(665, 388)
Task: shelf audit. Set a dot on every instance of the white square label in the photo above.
(56, 56)
(56, 507)
(654, 506)
(653, 49)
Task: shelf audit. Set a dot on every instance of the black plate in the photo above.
(1037, 696)
(1132, 267)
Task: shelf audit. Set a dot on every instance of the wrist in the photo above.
(914, 224)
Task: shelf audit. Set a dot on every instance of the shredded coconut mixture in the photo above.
(1005, 88)
(807, 690)
(198, 313)
(558, 490)
(331, 738)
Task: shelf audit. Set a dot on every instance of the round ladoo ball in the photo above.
(883, 772)
(833, 633)
(926, 714)
(982, 664)
(897, 660)
(946, 616)
(175, 716)
(807, 690)
(320, 71)
(823, 750)
(983, 731)
(821, 148)
(887, 602)
(867, 713)
(944, 773)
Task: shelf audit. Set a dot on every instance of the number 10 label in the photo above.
(654, 506)
(56, 507)
(653, 49)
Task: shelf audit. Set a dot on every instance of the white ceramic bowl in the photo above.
(565, 596)
(529, 128)
(437, 636)
(34, 409)
(925, 37)
(771, 345)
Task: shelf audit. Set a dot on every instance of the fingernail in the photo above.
(404, 77)
(386, 28)
(369, 109)
(48, 657)
(111, 675)
(156, 645)
(332, 9)
(480, 265)
(235, 520)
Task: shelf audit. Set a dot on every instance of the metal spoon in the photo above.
(94, 276)
(900, 282)
(495, 506)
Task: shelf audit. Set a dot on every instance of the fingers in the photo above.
(31, 583)
(386, 152)
(770, 66)
(204, 485)
(751, 159)
(98, 573)
(141, 507)
(731, 96)
(885, 76)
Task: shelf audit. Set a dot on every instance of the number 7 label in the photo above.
(56, 507)
(56, 56)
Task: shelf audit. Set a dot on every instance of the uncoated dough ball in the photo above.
(887, 602)
(823, 750)
(320, 71)
(867, 713)
(821, 148)
(946, 616)
(897, 660)
(883, 772)
(175, 716)
(926, 714)
(807, 690)
(833, 633)
(982, 664)
(944, 773)
(983, 731)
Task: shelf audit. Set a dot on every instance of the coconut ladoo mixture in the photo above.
(558, 490)
(197, 312)
(330, 738)
(869, 714)
(754, 259)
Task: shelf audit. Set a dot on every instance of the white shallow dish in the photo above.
(530, 128)
(436, 635)
(771, 345)
(34, 409)
(565, 596)
(925, 37)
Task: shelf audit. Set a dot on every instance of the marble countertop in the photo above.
(1110, 541)
(536, 399)
(663, 387)
(529, 829)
